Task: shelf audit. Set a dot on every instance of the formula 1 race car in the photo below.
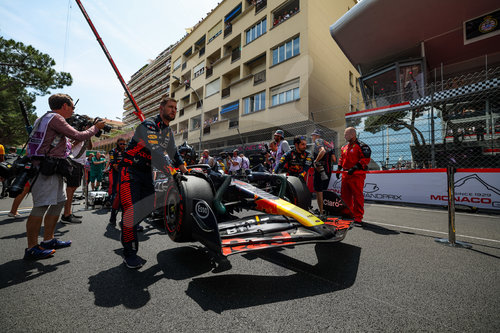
(205, 205)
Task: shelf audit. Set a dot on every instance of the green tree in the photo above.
(25, 73)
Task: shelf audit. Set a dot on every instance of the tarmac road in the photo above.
(389, 276)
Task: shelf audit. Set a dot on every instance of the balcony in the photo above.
(226, 92)
(259, 5)
(228, 29)
(233, 123)
(209, 72)
(259, 77)
(235, 54)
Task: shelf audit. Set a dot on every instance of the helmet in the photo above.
(185, 148)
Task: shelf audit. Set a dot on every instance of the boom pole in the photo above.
(137, 111)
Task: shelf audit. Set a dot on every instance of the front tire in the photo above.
(179, 206)
(297, 192)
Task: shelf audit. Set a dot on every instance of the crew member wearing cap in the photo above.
(281, 143)
(354, 157)
(322, 167)
(234, 163)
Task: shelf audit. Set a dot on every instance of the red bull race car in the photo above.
(207, 206)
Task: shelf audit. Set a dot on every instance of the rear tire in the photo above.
(297, 192)
(179, 206)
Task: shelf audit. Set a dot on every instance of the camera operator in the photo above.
(47, 148)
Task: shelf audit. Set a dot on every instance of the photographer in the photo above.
(322, 167)
(47, 149)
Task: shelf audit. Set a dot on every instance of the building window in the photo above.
(177, 63)
(213, 87)
(256, 31)
(286, 50)
(199, 69)
(286, 92)
(215, 31)
(254, 103)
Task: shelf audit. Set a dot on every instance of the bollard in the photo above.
(451, 241)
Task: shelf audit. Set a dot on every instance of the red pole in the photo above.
(137, 111)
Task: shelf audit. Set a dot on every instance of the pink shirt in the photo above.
(59, 126)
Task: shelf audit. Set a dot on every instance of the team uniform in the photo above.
(354, 157)
(152, 145)
(115, 159)
(295, 163)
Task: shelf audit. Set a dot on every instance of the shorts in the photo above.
(48, 190)
(321, 185)
(75, 179)
(95, 176)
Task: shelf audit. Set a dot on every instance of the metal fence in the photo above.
(453, 122)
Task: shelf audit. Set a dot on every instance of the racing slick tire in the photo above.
(179, 206)
(297, 192)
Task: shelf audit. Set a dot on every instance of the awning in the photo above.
(230, 107)
(233, 13)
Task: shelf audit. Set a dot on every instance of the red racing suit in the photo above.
(354, 157)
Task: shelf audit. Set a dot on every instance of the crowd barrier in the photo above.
(476, 188)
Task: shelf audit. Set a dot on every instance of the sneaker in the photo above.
(70, 219)
(133, 261)
(358, 223)
(77, 216)
(16, 215)
(55, 243)
(38, 253)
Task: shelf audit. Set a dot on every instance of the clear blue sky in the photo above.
(134, 31)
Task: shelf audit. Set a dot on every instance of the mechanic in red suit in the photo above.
(354, 157)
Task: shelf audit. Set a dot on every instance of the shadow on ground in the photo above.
(336, 269)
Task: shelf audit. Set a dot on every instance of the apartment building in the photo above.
(147, 86)
(251, 67)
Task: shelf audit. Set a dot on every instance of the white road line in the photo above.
(432, 210)
(431, 231)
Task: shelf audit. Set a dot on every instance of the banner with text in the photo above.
(473, 187)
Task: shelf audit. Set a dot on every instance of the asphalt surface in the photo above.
(389, 276)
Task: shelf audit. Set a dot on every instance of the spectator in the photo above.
(234, 163)
(322, 167)
(297, 161)
(245, 162)
(77, 155)
(354, 157)
(47, 144)
(88, 163)
(97, 166)
(281, 144)
(207, 159)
